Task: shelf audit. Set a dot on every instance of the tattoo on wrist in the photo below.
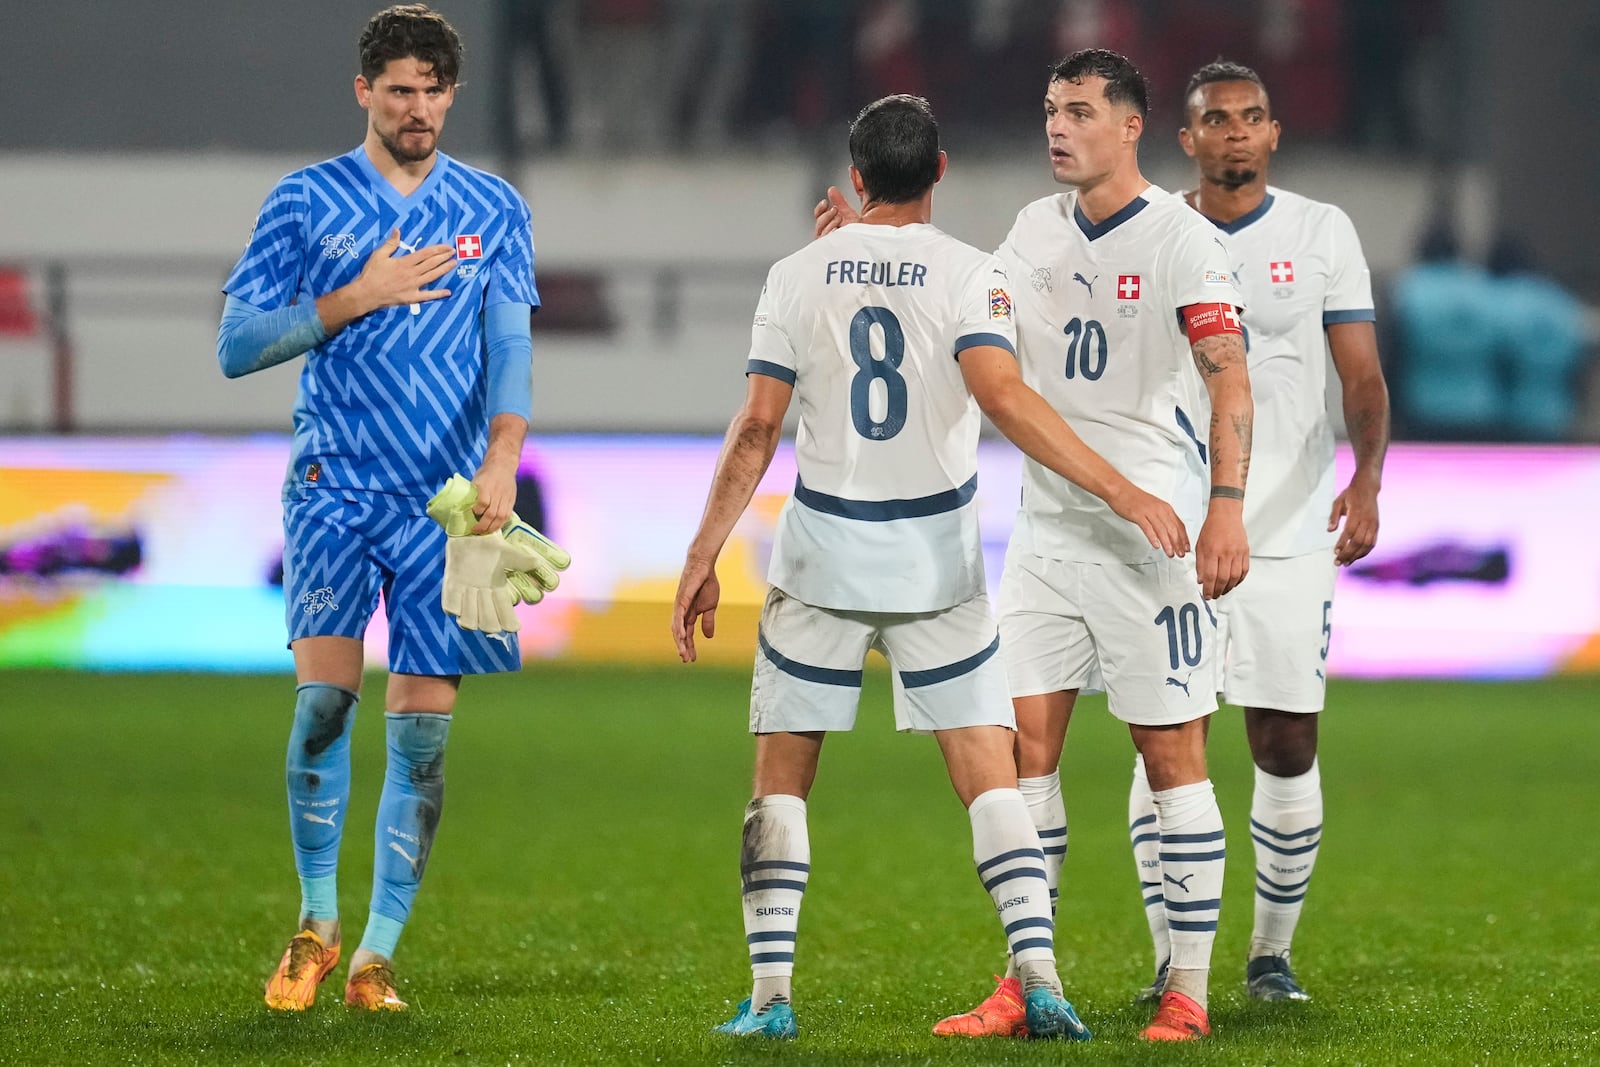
(1226, 492)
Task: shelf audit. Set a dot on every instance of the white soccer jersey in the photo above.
(1300, 266)
(1100, 337)
(866, 324)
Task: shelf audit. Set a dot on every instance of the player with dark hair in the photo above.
(1121, 292)
(893, 336)
(1300, 266)
(406, 279)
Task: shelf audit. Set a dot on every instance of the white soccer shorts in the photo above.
(809, 661)
(1274, 631)
(1141, 632)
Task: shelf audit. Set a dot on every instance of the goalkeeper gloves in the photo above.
(476, 590)
(488, 574)
(532, 584)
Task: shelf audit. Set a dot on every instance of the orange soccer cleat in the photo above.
(1001, 1015)
(306, 962)
(372, 989)
(1178, 1019)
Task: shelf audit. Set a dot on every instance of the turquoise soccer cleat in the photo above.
(777, 1022)
(1051, 1016)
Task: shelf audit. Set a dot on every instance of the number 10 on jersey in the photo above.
(1086, 349)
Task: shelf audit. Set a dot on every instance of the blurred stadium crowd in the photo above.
(1481, 333)
(685, 75)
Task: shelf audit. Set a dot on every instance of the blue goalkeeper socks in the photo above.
(319, 791)
(408, 816)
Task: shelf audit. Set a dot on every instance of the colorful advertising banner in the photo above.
(165, 553)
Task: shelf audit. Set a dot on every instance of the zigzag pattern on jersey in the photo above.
(336, 561)
(267, 274)
(396, 402)
(422, 638)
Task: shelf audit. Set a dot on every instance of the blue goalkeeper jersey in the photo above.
(396, 402)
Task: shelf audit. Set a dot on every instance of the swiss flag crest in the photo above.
(1282, 270)
(1127, 287)
(469, 246)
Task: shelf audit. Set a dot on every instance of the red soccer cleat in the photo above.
(1178, 1019)
(1001, 1015)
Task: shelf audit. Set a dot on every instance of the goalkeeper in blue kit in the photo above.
(406, 279)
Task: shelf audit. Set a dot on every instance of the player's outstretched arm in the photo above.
(833, 211)
(1029, 422)
(746, 453)
(1222, 551)
(1366, 417)
(387, 280)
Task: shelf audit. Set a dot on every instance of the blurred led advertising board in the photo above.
(165, 553)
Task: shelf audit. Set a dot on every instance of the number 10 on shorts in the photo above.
(1183, 634)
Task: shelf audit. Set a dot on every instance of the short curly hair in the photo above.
(1221, 70)
(415, 32)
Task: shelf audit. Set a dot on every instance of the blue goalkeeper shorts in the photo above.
(342, 550)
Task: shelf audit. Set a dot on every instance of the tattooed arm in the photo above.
(1222, 551)
(1366, 416)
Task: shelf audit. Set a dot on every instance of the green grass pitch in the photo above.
(582, 902)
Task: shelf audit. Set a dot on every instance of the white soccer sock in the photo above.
(1286, 826)
(1049, 814)
(1005, 846)
(1192, 861)
(774, 866)
(1147, 861)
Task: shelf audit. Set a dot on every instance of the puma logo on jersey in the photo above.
(409, 858)
(1181, 883)
(311, 816)
(1088, 283)
(1184, 685)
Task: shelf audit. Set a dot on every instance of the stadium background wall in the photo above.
(165, 553)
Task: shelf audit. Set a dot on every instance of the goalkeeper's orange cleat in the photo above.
(1001, 1015)
(1178, 1019)
(372, 989)
(306, 962)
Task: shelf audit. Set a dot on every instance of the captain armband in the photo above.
(1207, 320)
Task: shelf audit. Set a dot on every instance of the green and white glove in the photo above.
(476, 589)
(532, 584)
(451, 507)
(530, 571)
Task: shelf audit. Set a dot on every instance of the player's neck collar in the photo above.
(386, 189)
(1243, 220)
(1094, 231)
